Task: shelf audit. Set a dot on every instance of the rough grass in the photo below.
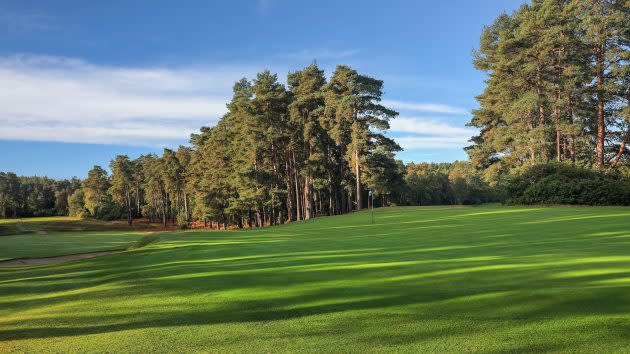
(34, 245)
(44, 225)
(9, 229)
(436, 279)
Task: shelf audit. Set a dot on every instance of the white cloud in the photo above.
(124, 134)
(45, 98)
(424, 107)
(426, 133)
(61, 99)
(430, 126)
(432, 142)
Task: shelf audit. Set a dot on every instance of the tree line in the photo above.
(158, 188)
(34, 196)
(557, 88)
(553, 123)
(315, 147)
(281, 153)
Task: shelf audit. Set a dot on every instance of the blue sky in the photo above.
(83, 81)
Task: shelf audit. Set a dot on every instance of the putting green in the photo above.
(442, 279)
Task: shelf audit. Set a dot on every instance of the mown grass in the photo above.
(437, 279)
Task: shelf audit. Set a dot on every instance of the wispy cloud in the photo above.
(61, 99)
(424, 107)
(431, 126)
(119, 133)
(432, 142)
(45, 98)
(425, 133)
(20, 21)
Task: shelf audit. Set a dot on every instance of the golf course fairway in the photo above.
(437, 279)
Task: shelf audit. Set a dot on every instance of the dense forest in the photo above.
(35, 196)
(558, 85)
(554, 125)
(156, 189)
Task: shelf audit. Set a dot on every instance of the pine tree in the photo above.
(357, 114)
(95, 190)
(122, 183)
(604, 23)
(306, 107)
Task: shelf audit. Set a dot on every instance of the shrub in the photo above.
(182, 221)
(109, 211)
(560, 183)
(76, 204)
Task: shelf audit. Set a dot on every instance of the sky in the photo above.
(83, 81)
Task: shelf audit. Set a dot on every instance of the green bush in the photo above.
(182, 221)
(76, 204)
(109, 211)
(560, 183)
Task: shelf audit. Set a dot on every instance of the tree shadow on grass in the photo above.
(488, 311)
(515, 307)
(391, 292)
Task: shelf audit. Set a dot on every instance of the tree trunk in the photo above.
(289, 191)
(564, 147)
(570, 114)
(138, 210)
(530, 125)
(164, 210)
(622, 148)
(297, 190)
(274, 216)
(599, 63)
(308, 186)
(308, 203)
(186, 206)
(331, 210)
(128, 202)
(357, 172)
(541, 111)
(558, 151)
(349, 202)
(321, 205)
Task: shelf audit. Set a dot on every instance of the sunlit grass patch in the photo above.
(436, 279)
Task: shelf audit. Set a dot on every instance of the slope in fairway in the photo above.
(430, 278)
(58, 236)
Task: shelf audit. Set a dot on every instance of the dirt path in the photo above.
(53, 260)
